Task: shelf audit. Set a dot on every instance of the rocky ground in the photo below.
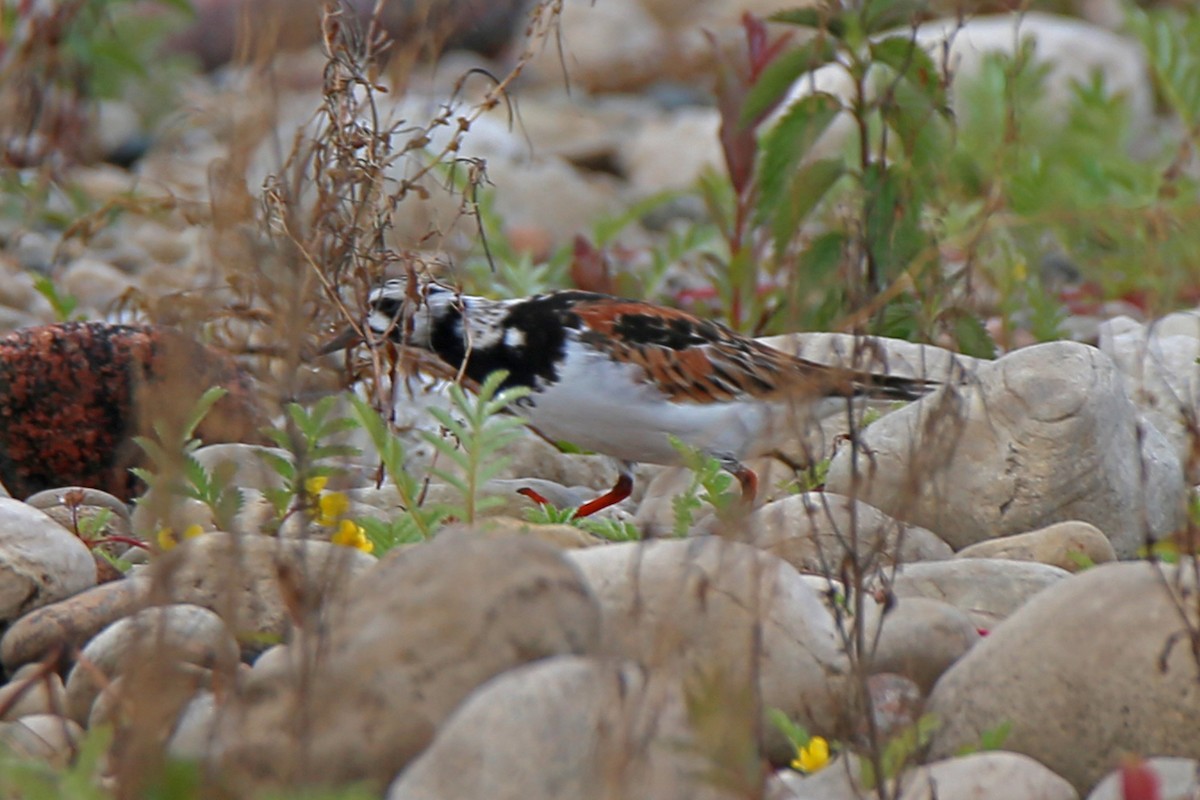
(970, 582)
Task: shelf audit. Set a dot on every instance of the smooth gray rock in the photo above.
(1087, 671)
(1072, 546)
(149, 648)
(1178, 779)
(815, 531)
(987, 589)
(32, 690)
(921, 638)
(375, 675)
(239, 577)
(725, 612)
(1043, 435)
(69, 624)
(1159, 362)
(45, 737)
(40, 562)
(574, 727)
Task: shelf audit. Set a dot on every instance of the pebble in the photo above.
(40, 562)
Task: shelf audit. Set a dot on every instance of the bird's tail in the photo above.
(843, 382)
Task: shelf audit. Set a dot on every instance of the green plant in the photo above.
(901, 750)
(812, 752)
(837, 233)
(710, 483)
(64, 305)
(990, 739)
(305, 438)
(176, 472)
(419, 521)
(33, 779)
(613, 530)
(473, 442)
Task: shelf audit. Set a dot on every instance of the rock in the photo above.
(725, 612)
(988, 590)
(242, 465)
(39, 561)
(152, 647)
(46, 737)
(607, 47)
(73, 395)
(838, 781)
(194, 731)
(818, 429)
(1072, 546)
(1160, 364)
(1072, 51)
(551, 195)
(994, 775)
(921, 638)
(896, 703)
(32, 689)
(81, 511)
(67, 625)
(215, 35)
(250, 580)
(812, 532)
(17, 289)
(564, 537)
(569, 727)
(95, 283)
(878, 355)
(1045, 434)
(1178, 779)
(418, 632)
(1088, 670)
(670, 154)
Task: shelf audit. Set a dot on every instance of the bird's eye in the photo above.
(389, 306)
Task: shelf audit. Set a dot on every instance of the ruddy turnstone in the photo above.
(620, 377)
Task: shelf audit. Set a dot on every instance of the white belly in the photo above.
(599, 405)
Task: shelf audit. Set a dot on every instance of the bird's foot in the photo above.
(622, 489)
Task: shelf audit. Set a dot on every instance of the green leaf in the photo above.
(282, 466)
(893, 230)
(879, 15)
(914, 65)
(201, 409)
(776, 80)
(820, 259)
(786, 145)
(808, 187)
(972, 337)
(796, 733)
(821, 19)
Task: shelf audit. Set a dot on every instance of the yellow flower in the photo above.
(167, 539)
(350, 534)
(331, 506)
(811, 757)
(316, 484)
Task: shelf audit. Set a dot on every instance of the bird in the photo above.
(621, 377)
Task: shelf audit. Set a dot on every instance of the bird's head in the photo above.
(400, 312)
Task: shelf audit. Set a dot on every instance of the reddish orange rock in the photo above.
(73, 396)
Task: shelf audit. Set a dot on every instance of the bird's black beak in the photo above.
(349, 337)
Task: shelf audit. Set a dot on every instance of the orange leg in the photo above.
(622, 489)
(747, 479)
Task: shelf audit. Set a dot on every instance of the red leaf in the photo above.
(589, 267)
(756, 42)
